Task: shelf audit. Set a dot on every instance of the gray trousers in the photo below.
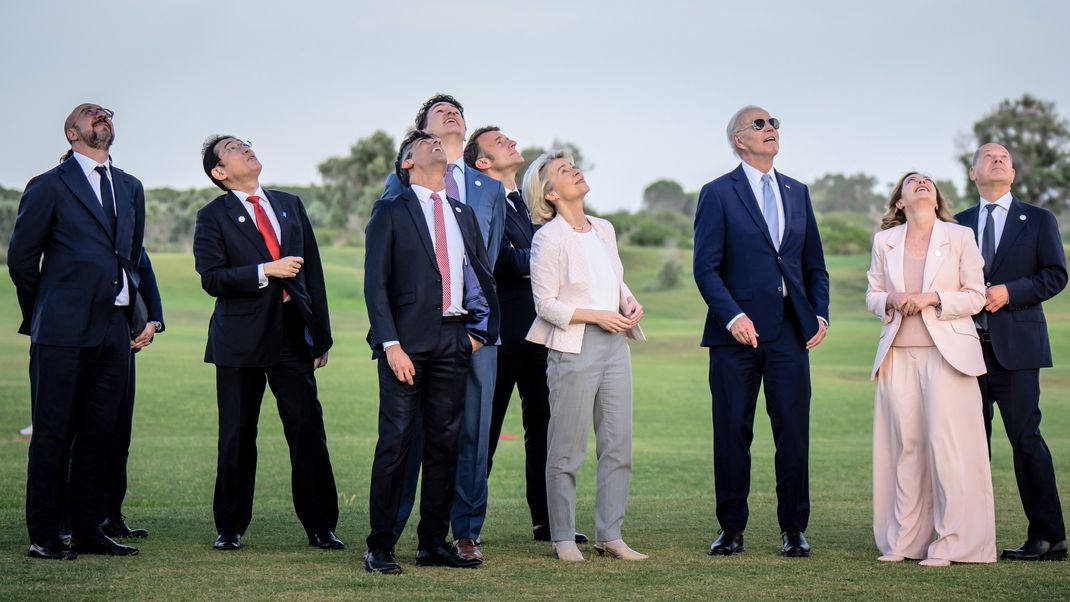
(595, 383)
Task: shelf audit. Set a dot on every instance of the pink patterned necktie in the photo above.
(442, 256)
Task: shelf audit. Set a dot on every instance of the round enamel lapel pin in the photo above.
(241, 219)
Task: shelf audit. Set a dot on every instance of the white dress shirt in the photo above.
(999, 218)
(89, 167)
(266, 204)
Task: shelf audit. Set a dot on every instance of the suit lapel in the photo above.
(246, 225)
(518, 220)
(746, 197)
(73, 176)
(123, 209)
(422, 231)
(787, 196)
(288, 224)
(939, 247)
(1012, 229)
(894, 258)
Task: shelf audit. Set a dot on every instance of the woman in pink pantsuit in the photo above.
(932, 486)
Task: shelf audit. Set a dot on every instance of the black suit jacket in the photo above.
(64, 256)
(1031, 263)
(246, 329)
(512, 274)
(402, 285)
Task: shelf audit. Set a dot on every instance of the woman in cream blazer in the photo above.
(585, 312)
(932, 486)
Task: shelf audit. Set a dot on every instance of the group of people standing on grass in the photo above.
(476, 284)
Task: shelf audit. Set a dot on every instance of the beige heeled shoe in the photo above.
(567, 551)
(891, 558)
(618, 549)
(935, 562)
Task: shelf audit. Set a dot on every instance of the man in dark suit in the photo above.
(1024, 266)
(73, 258)
(426, 278)
(443, 116)
(761, 270)
(520, 362)
(257, 255)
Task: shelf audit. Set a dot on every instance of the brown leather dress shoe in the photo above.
(468, 549)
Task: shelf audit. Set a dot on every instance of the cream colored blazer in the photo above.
(953, 270)
(559, 283)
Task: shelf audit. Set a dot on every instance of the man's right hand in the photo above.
(743, 331)
(287, 267)
(400, 364)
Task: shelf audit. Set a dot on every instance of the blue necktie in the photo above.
(769, 209)
(988, 252)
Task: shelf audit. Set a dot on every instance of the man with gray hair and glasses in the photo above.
(759, 265)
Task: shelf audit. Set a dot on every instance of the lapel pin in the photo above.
(457, 209)
(1022, 217)
(241, 219)
(284, 214)
(937, 253)
(478, 183)
(787, 186)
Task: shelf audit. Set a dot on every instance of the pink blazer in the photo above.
(559, 283)
(953, 270)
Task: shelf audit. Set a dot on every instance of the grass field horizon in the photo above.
(670, 513)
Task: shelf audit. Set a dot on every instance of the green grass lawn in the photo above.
(670, 514)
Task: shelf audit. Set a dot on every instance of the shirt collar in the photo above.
(244, 195)
(424, 194)
(87, 164)
(1003, 201)
(460, 163)
(754, 176)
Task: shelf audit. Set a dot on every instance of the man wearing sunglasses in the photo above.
(759, 265)
(257, 255)
(73, 257)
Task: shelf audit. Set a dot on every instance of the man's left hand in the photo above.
(996, 297)
(820, 336)
(144, 339)
(320, 361)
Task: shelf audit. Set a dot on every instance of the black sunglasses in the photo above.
(759, 124)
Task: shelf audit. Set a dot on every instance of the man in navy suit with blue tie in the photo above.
(73, 258)
(443, 116)
(257, 255)
(1025, 265)
(759, 265)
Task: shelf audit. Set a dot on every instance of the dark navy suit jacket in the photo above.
(402, 284)
(485, 195)
(738, 270)
(1030, 261)
(64, 257)
(246, 329)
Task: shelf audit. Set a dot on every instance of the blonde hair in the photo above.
(537, 184)
(895, 216)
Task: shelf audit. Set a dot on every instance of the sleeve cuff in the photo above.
(388, 344)
(261, 278)
(733, 321)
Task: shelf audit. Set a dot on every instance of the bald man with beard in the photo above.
(73, 257)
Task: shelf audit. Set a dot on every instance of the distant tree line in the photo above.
(848, 206)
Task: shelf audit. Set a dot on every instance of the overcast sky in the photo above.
(644, 88)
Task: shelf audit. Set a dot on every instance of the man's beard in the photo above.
(99, 140)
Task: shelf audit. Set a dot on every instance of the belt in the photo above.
(458, 319)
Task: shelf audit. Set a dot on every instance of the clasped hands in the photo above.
(613, 321)
(910, 304)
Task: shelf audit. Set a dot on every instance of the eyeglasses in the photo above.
(94, 111)
(235, 146)
(759, 124)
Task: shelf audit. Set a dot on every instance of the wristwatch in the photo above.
(158, 325)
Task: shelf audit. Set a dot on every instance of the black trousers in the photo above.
(437, 393)
(76, 395)
(116, 468)
(240, 392)
(737, 371)
(523, 364)
(1018, 394)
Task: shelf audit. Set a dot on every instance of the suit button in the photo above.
(115, 282)
(780, 259)
(988, 284)
(780, 289)
(438, 307)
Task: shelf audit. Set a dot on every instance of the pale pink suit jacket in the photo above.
(559, 282)
(953, 270)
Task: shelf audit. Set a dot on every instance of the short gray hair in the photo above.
(733, 125)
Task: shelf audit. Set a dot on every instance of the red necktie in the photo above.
(442, 256)
(267, 231)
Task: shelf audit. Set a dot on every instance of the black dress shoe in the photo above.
(102, 544)
(116, 527)
(326, 540)
(47, 553)
(795, 545)
(445, 555)
(381, 561)
(542, 533)
(727, 543)
(227, 541)
(1037, 549)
